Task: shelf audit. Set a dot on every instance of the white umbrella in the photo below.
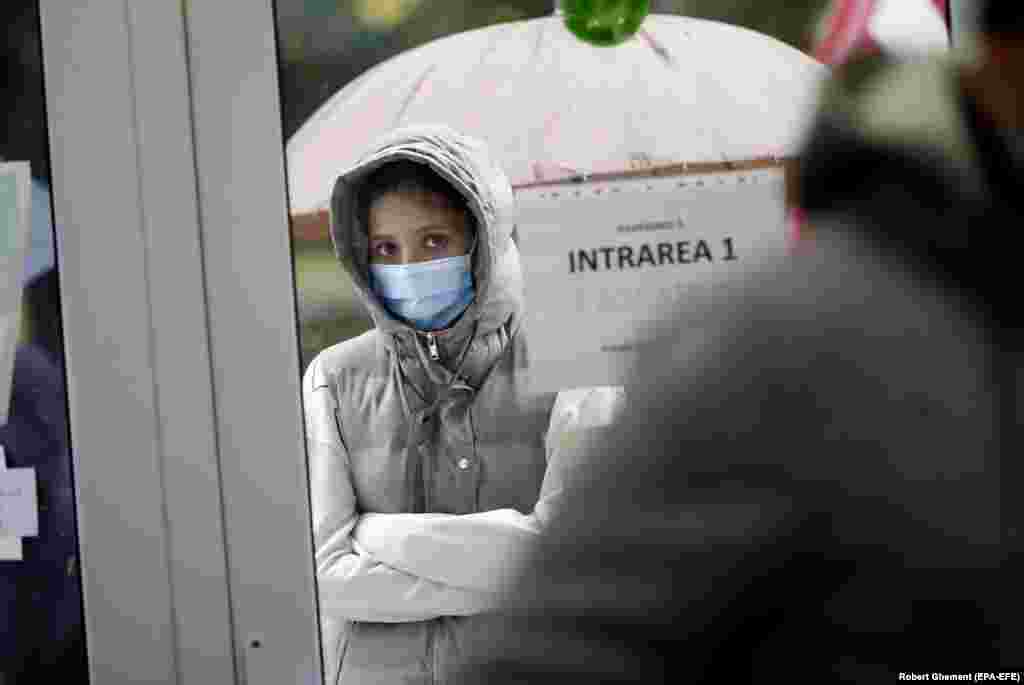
(550, 106)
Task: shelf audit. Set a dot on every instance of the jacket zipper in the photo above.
(432, 627)
(435, 666)
(432, 347)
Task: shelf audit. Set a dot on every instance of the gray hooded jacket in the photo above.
(426, 474)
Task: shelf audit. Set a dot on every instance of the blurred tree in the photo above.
(23, 132)
(792, 21)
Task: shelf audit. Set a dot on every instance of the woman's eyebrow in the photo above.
(421, 229)
(434, 227)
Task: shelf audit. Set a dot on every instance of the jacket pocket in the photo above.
(375, 646)
(339, 635)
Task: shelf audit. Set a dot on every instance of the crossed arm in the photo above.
(413, 567)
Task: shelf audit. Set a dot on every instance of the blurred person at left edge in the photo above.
(820, 484)
(41, 624)
(40, 597)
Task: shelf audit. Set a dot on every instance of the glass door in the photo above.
(112, 565)
(276, 295)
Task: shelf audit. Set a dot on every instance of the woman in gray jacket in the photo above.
(428, 464)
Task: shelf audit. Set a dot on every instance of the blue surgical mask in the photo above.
(428, 295)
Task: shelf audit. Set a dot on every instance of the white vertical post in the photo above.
(253, 340)
(961, 19)
(87, 54)
(143, 440)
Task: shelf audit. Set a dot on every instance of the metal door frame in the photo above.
(253, 325)
(141, 403)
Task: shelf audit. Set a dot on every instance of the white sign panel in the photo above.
(603, 262)
(15, 204)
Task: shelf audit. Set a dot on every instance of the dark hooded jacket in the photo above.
(822, 485)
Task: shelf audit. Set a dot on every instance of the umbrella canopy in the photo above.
(903, 27)
(550, 106)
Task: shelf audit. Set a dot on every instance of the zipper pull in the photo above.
(432, 347)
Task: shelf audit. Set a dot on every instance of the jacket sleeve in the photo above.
(352, 584)
(485, 551)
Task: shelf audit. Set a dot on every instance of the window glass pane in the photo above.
(388, 431)
(349, 72)
(41, 622)
(382, 438)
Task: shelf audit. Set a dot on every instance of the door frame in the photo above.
(254, 339)
(140, 392)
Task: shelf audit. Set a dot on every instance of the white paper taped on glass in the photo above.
(15, 220)
(18, 515)
(604, 262)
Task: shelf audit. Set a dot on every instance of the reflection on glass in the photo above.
(41, 627)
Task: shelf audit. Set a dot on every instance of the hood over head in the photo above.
(466, 164)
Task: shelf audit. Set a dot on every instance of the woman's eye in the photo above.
(436, 242)
(384, 250)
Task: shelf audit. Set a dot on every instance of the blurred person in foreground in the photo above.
(924, 163)
(818, 480)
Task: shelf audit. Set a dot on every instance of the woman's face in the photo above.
(409, 227)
